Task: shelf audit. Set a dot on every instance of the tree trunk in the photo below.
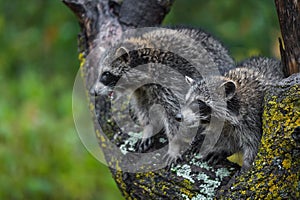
(102, 23)
(289, 19)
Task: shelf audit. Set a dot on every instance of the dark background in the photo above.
(41, 155)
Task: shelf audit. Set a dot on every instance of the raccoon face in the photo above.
(207, 99)
(114, 66)
(105, 84)
(196, 113)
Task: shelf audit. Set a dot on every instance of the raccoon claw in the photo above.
(171, 160)
(143, 145)
(194, 150)
(213, 158)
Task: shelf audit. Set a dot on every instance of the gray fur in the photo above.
(235, 99)
(198, 53)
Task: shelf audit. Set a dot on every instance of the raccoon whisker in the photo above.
(126, 61)
(199, 113)
(196, 118)
(240, 110)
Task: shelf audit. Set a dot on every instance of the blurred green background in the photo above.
(41, 155)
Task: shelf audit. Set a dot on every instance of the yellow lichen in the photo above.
(186, 192)
(81, 58)
(286, 163)
(187, 184)
(280, 117)
(92, 107)
(297, 123)
(98, 134)
(243, 192)
(121, 183)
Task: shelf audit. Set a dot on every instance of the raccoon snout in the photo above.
(94, 91)
(108, 79)
(179, 117)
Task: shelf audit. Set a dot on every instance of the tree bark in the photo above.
(289, 20)
(102, 23)
(276, 170)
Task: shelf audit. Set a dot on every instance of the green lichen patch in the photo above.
(184, 171)
(130, 143)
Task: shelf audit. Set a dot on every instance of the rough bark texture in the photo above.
(276, 170)
(102, 23)
(132, 12)
(289, 19)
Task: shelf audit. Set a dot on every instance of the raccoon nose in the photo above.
(94, 91)
(108, 78)
(179, 117)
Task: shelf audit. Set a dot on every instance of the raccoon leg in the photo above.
(152, 124)
(214, 152)
(145, 142)
(214, 157)
(141, 114)
(174, 152)
(249, 154)
(176, 143)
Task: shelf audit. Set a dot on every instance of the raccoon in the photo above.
(167, 56)
(230, 107)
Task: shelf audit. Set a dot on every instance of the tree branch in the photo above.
(102, 23)
(144, 13)
(276, 170)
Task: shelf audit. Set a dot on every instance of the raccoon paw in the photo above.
(172, 159)
(214, 158)
(143, 145)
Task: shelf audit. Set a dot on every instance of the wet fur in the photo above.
(148, 50)
(240, 110)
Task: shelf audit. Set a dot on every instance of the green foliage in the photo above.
(246, 27)
(40, 152)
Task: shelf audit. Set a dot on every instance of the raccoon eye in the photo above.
(201, 104)
(203, 107)
(108, 79)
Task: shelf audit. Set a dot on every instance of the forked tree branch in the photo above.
(102, 23)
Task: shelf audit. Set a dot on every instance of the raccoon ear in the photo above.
(121, 51)
(189, 80)
(229, 88)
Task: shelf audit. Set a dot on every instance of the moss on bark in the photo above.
(276, 170)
